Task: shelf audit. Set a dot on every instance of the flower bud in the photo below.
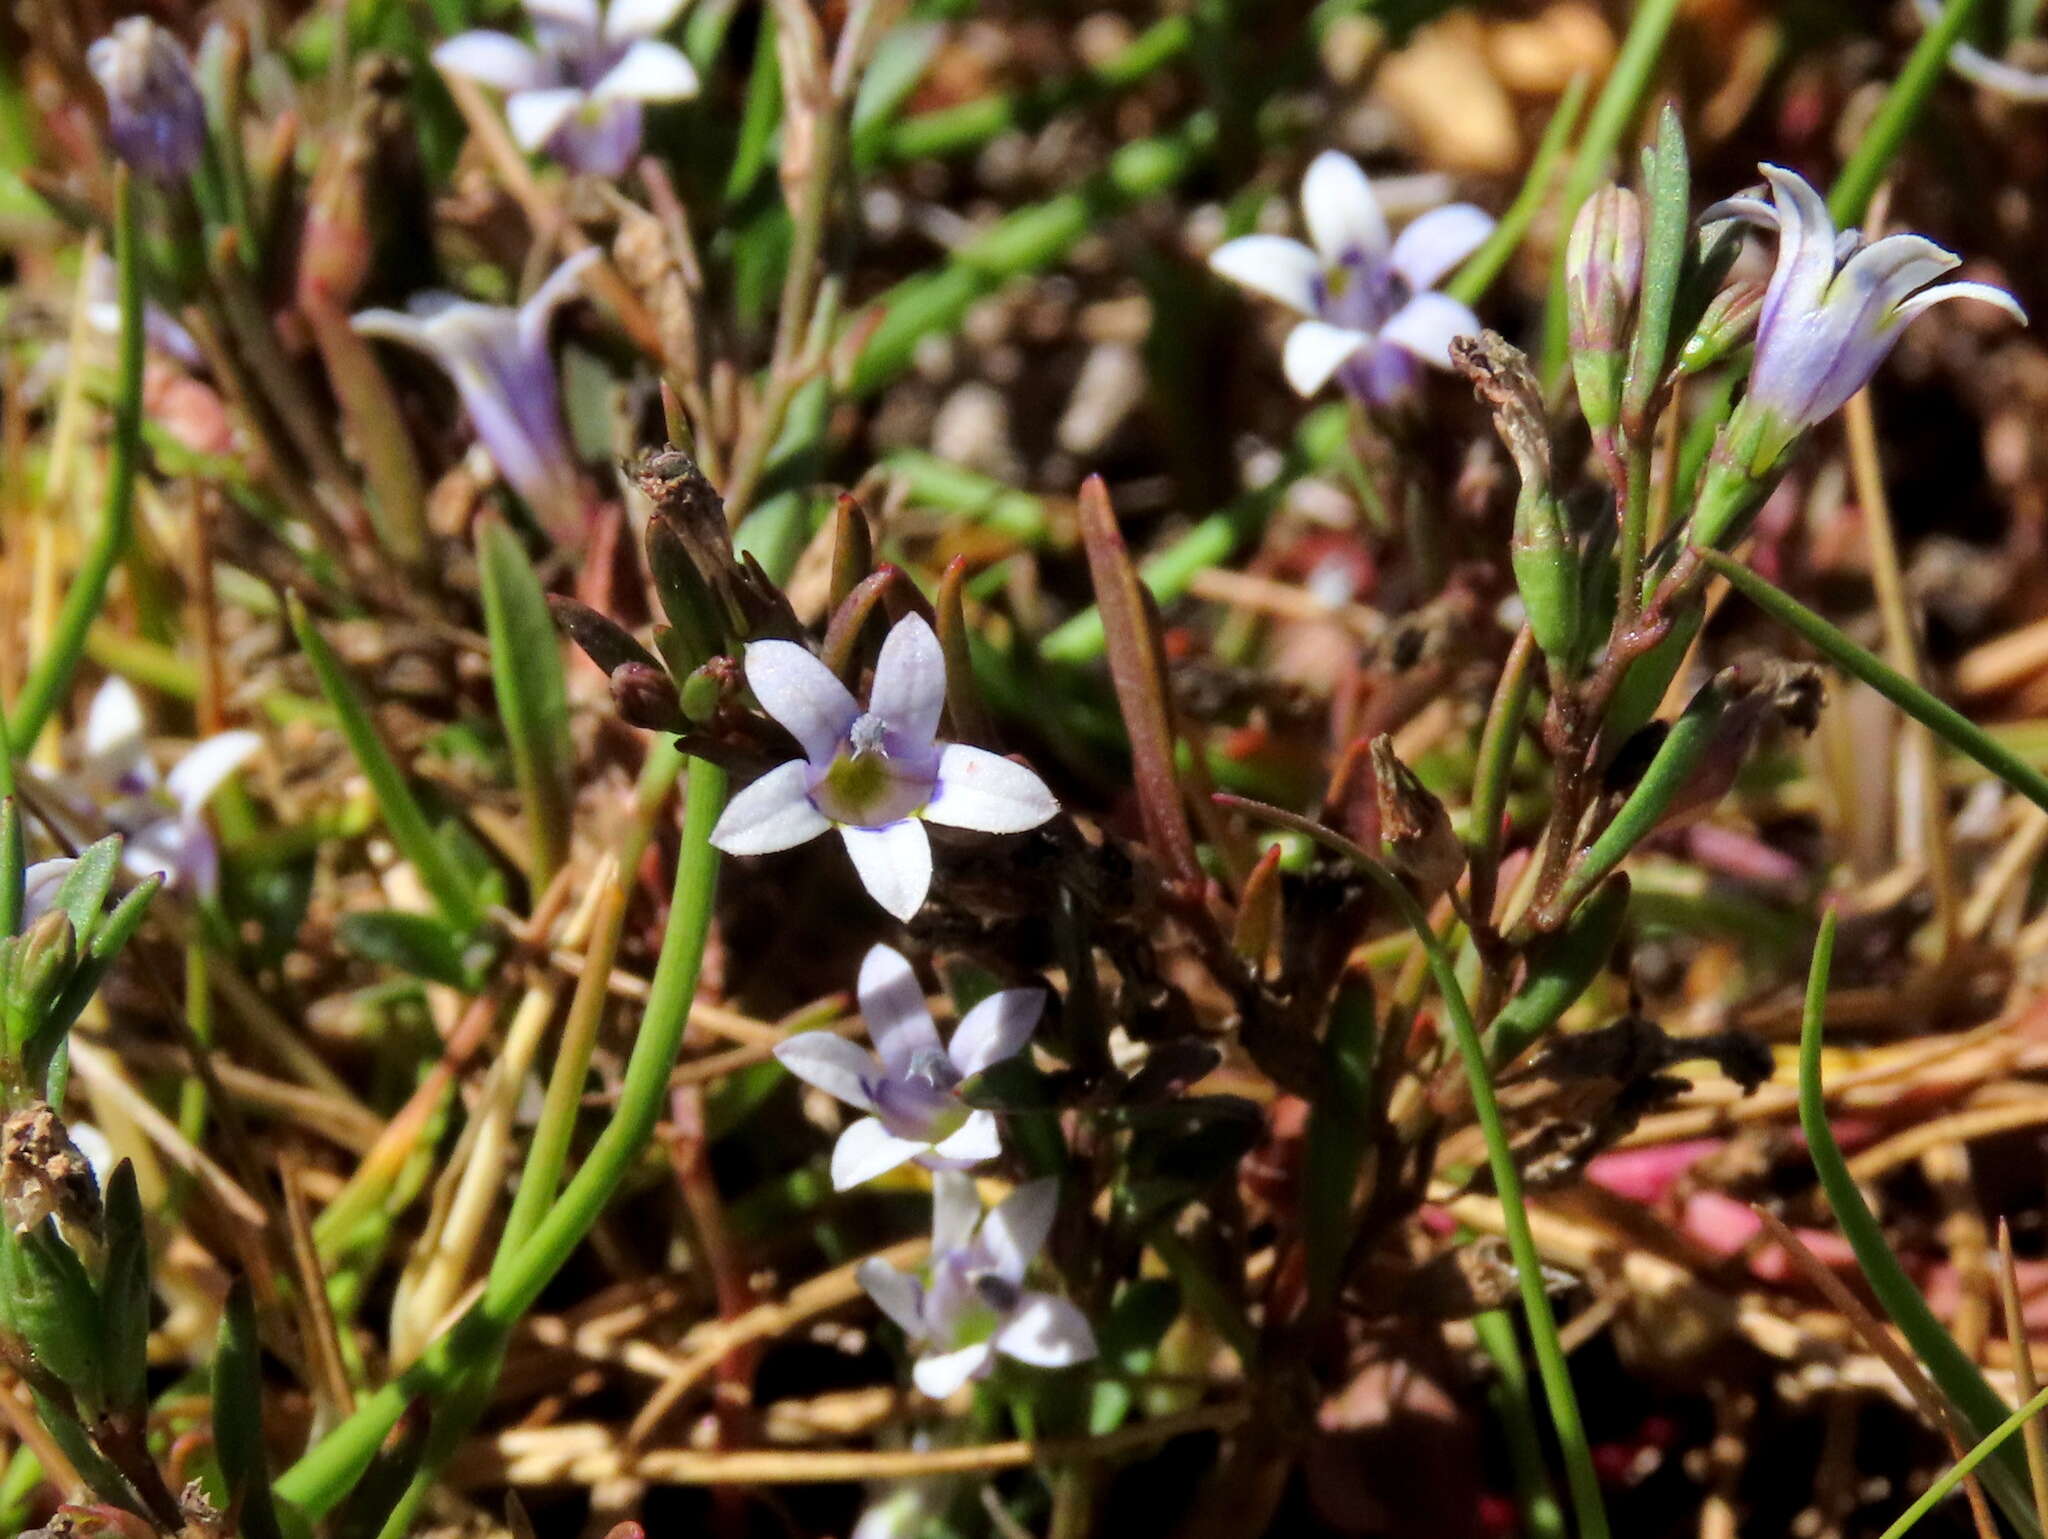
(1420, 840)
(42, 966)
(155, 116)
(1603, 274)
(647, 697)
(1727, 323)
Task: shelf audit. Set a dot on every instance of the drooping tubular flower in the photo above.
(497, 358)
(155, 117)
(971, 1302)
(1833, 311)
(878, 774)
(910, 1084)
(162, 821)
(1373, 315)
(579, 90)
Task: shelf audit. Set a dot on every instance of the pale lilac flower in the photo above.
(1373, 313)
(971, 1302)
(498, 360)
(161, 820)
(1833, 310)
(875, 775)
(910, 1084)
(155, 117)
(578, 91)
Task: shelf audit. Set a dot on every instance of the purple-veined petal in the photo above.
(1989, 293)
(1015, 1231)
(1748, 208)
(535, 115)
(894, 863)
(1047, 1332)
(983, 790)
(40, 885)
(897, 1294)
(979, 1138)
(996, 1029)
(1814, 364)
(1438, 241)
(1315, 350)
(1271, 265)
(117, 739)
(836, 1066)
(626, 20)
(956, 1208)
(1806, 252)
(650, 72)
(774, 813)
(195, 778)
(892, 1003)
(803, 695)
(1342, 211)
(910, 686)
(866, 1150)
(490, 58)
(565, 283)
(940, 1374)
(1426, 325)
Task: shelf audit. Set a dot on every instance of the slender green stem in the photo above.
(1484, 265)
(1903, 104)
(1961, 1470)
(330, 1469)
(1498, 740)
(1635, 519)
(1500, 1159)
(1978, 1406)
(1542, 1518)
(1947, 723)
(51, 676)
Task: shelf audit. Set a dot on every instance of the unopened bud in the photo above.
(705, 688)
(42, 966)
(1418, 833)
(1603, 275)
(1729, 321)
(647, 697)
(155, 116)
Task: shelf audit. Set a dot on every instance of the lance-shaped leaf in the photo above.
(1561, 968)
(526, 674)
(50, 1306)
(1667, 186)
(238, 1419)
(124, 1298)
(963, 700)
(603, 640)
(853, 548)
(1338, 1124)
(1137, 668)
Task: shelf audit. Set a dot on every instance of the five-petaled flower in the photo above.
(910, 1084)
(162, 820)
(1372, 311)
(1833, 310)
(155, 116)
(578, 92)
(498, 359)
(971, 1302)
(875, 775)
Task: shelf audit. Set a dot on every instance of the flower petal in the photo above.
(116, 738)
(910, 687)
(938, 1376)
(840, 1068)
(774, 813)
(1806, 252)
(956, 1209)
(40, 885)
(625, 20)
(1439, 240)
(803, 695)
(535, 115)
(1991, 294)
(996, 1029)
(1015, 1232)
(489, 58)
(568, 13)
(892, 1003)
(1426, 325)
(1343, 214)
(565, 283)
(897, 1294)
(866, 1150)
(650, 72)
(894, 863)
(1272, 265)
(982, 790)
(1315, 350)
(979, 1138)
(395, 326)
(195, 778)
(1047, 1332)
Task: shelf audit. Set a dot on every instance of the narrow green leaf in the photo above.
(1485, 264)
(13, 857)
(1947, 723)
(1668, 196)
(125, 1297)
(1976, 1403)
(1338, 1124)
(1961, 1470)
(238, 1418)
(403, 815)
(526, 672)
(87, 884)
(1850, 197)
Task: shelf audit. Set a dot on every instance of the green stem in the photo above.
(1500, 1159)
(1872, 158)
(1961, 1470)
(1484, 265)
(330, 1469)
(1542, 1518)
(51, 676)
(1498, 741)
